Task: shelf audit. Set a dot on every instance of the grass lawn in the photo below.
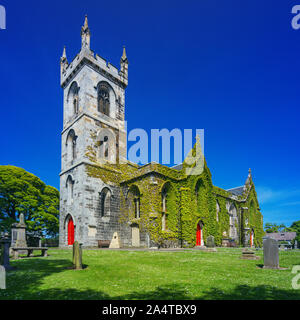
(188, 274)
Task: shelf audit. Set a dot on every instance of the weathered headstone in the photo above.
(271, 254)
(18, 232)
(4, 255)
(77, 256)
(210, 242)
(115, 243)
(2, 278)
(249, 255)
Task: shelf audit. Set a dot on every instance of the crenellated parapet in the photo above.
(87, 57)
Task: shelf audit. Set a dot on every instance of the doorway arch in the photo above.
(199, 234)
(252, 238)
(135, 235)
(71, 231)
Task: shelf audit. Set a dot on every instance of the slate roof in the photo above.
(281, 236)
(177, 167)
(238, 191)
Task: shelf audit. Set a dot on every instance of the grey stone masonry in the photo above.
(18, 231)
(80, 194)
(271, 254)
(2, 278)
(4, 259)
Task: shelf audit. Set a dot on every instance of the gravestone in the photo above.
(249, 255)
(18, 232)
(210, 242)
(115, 242)
(4, 256)
(77, 256)
(2, 278)
(271, 254)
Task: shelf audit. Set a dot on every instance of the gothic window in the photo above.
(137, 207)
(75, 105)
(164, 207)
(73, 99)
(71, 145)
(103, 99)
(104, 148)
(105, 202)
(70, 189)
(201, 195)
(232, 220)
(133, 202)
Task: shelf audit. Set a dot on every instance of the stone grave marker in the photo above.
(77, 256)
(115, 242)
(210, 242)
(271, 254)
(18, 231)
(249, 255)
(2, 278)
(4, 254)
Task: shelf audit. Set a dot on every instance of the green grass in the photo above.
(188, 274)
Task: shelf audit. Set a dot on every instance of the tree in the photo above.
(23, 192)
(273, 227)
(296, 228)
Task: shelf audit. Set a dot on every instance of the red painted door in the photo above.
(198, 235)
(70, 232)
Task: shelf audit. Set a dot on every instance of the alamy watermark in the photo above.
(295, 21)
(2, 17)
(185, 149)
(295, 280)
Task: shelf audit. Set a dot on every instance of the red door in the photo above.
(70, 232)
(198, 235)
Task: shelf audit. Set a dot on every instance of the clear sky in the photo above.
(231, 67)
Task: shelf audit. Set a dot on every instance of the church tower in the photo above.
(93, 111)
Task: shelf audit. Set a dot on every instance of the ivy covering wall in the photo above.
(190, 199)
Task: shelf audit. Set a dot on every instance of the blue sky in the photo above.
(230, 67)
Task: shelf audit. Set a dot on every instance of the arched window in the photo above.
(105, 197)
(164, 221)
(106, 140)
(232, 220)
(217, 210)
(104, 148)
(133, 201)
(103, 99)
(252, 210)
(75, 105)
(73, 99)
(70, 189)
(137, 207)
(71, 145)
(201, 195)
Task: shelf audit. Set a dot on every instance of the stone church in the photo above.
(107, 201)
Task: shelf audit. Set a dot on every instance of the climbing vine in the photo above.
(189, 200)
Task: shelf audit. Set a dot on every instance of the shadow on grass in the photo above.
(245, 292)
(28, 280)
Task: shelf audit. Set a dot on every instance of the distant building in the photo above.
(282, 237)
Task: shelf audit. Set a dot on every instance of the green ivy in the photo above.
(189, 199)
